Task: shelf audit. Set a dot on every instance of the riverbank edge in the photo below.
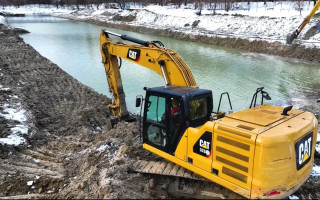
(296, 51)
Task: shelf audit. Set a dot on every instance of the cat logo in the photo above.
(134, 54)
(203, 145)
(303, 150)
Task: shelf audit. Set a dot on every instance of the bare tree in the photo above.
(4, 3)
(56, 3)
(227, 5)
(98, 3)
(299, 4)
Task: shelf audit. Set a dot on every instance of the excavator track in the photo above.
(164, 168)
(187, 184)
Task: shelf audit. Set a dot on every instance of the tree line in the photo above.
(198, 4)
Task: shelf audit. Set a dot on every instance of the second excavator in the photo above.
(295, 34)
(262, 152)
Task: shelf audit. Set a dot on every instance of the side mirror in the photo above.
(138, 101)
(265, 95)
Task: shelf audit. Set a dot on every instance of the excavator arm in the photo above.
(152, 55)
(294, 35)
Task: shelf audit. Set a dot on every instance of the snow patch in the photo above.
(20, 130)
(12, 139)
(293, 197)
(315, 171)
(13, 114)
(3, 20)
(29, 183)
(318, 142)
(5, 89)
(37, 9)
(102, 148)
(18, 116)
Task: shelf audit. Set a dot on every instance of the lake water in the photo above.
(74, 46)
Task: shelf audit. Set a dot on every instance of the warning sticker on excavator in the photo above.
(203, 145)
(303, 150)
(134, 54)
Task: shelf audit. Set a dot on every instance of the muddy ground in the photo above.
(71, 150)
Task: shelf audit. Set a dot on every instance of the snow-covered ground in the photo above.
(270, 22)
(36, 10)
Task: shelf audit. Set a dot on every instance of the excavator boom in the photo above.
(152, 55)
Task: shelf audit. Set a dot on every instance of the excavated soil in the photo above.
(72, 150)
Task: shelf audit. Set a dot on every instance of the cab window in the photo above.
(198, 109)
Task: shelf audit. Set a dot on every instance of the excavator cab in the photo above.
(170, 110)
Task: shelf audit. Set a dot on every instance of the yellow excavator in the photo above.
(294, 35)
(262, 152)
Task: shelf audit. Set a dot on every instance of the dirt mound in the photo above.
(128, 18)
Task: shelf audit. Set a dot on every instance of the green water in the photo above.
(74, 46)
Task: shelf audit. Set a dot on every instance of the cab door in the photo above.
(163, 122)
(156, 122)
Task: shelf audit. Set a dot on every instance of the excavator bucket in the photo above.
(291, 37)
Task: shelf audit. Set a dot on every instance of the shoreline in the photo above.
(129, 20)
(295, 51)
